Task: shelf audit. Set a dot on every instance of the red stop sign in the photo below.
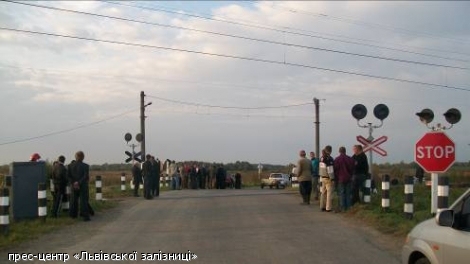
(435, 152)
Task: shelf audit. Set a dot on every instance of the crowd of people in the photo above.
(183, 176)
(324, 175)
(320, 176)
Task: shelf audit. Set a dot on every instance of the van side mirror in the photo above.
(445, 218)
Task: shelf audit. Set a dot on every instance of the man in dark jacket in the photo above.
(78, 175)
(136, 178)
(147, 175)
(361, 169)
(155, 190)
(59, 177)
(193, 176)
(220, 177)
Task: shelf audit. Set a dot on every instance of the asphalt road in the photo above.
(220, 226)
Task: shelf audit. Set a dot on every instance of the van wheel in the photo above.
(422, 260)
(262, 186)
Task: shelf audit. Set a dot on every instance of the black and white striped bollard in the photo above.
(4, 209)
(123, 181)
(367, 189)
(98, 184)
(42, 201)
(386, 192)
(408, 206)
(442, 193)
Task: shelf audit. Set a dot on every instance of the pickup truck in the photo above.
(277, 180)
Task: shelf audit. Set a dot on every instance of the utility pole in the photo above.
(317, 127)
(142, 123)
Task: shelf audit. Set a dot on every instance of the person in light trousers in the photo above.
(327, 177)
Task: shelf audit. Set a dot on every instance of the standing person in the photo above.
(238, 180)
(344, 169)
(174, 175)
(361, 169)
(198, 176)
(185, 178)
(136, 177)
(155, 175)
(79, 176)
(203, 176)
(193, 177)
(147, 175)
(304, 176)
(59, 177)
(326, 171)
(210, 176)
(315, 175)
(220, 177)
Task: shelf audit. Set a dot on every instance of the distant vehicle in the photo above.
(277, 180)
(445, 239)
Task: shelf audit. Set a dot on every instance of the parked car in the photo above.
(277, 180)
(443, 239)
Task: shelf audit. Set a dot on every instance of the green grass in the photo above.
(393, 221)
(24, 230)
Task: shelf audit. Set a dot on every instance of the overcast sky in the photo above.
(228, 81)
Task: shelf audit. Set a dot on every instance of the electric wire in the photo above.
(192, 82)
(226, 107)
(244, 37)
(364, 23)
(327, 34)
(287, 31)
(425, 84)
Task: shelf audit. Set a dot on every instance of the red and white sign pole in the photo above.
(435, 153)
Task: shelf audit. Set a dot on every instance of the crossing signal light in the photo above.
(381, 111)
(452, 116)
(426, 115)
(128, 137)
(359, 111)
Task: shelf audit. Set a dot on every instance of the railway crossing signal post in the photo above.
(133, 155)
(381, 112)
(435, 151)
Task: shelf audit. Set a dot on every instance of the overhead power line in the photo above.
(67, 130)
(244, 37)
(239, 58)
(245, 115)
(285, 31)
(224, 19)
(227, 107)
(367, 24)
